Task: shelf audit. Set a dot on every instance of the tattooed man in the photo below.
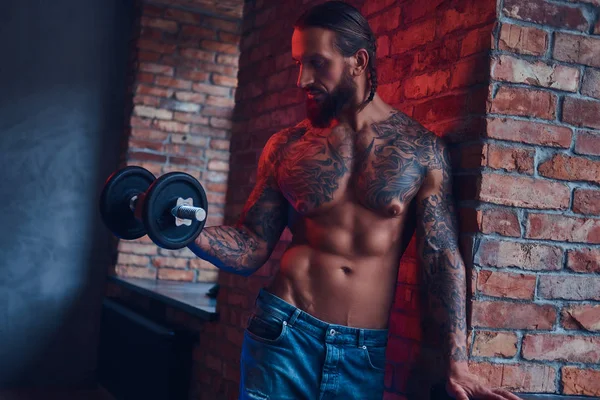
(343, 181)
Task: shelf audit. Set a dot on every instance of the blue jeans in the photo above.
(288, 354)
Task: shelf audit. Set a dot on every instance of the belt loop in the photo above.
(361, 337)
(294, 317)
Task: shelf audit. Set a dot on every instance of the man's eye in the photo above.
(317, 63)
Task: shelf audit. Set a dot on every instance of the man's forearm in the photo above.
(230, 248)
(447, 299)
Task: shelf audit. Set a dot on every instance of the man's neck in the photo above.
(361, 116)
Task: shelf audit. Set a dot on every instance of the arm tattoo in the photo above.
(443, 267)
(245, 247)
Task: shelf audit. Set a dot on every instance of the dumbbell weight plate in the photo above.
(160, 199)
(118, 190)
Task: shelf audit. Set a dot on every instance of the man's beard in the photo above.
(321, 113)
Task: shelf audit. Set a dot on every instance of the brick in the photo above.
(427, 84)
(582, 112)
(133, 259)
(176, 275)
(414, 36)
(135, 272)
(227, 60)
(466, 15)
(190, 97)
(524, 192)
(183, 16)
(142, 145)
(440, 108)
(563, 228)
(561, 348)
(523, 39)
(142, 77)
(156, 68)
(587, 143)
(577, 381)
(147, 56)
(522, 377)
(524, 102)
(584, 260)
(220, 101)
(190, 118)
(174, 149)
(138, 248)
(371, 7)
(473, 71)
(477, 41)
(152, 11)
(220, 123)
(174, 83)
(538, 73)
(528, 256)
(192, 140)
(506, 285)
(509, 158)
(385, 22)
(154, 91)
(171, 126)
(221, 24)
(505, 315)
(152, 45)
(383, 46)
(229, 38)
(418, 10)
(162, 24)
(586, 201)
(147, 101)
(570, 168)
(149, 134)
(586, 316)
(210, 89)
(545, 13)
(180, 253)
(170, 262)
(218, 165)
(174, 105)
(198, 263)
(219, 47)
(577, 49)
(212, 132)
(207, 276)
(495, 344)
(529, 132)
(501, 221)
(196, 54)
(218, 144)
(591, 83)
(223, 80)
(196, 32)
(150, 112)
(196, 76)
(569, 287)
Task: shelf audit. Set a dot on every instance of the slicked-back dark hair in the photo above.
(352, 32)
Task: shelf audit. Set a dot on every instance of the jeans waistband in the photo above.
(331, 333)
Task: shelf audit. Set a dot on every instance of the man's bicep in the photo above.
(265, 211)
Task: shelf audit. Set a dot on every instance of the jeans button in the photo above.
(332, 332)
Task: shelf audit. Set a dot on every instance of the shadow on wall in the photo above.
(61, 118)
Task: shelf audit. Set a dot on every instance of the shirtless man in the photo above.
(343, 181)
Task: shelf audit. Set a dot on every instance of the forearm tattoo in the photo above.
(443, 267)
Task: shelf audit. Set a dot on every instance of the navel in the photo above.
(347, 270)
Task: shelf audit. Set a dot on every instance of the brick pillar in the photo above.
(184, 64)
(536, 259)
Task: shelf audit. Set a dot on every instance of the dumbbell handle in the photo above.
(182, 212)
(188, 212)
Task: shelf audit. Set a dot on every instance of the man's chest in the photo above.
(381, 172)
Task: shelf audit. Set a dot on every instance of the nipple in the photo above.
(394, 210)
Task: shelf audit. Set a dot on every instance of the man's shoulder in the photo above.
(428, 146)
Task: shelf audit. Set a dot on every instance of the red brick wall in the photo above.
(184, 64)
(536, 315)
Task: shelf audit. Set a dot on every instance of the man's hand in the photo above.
(462, 385)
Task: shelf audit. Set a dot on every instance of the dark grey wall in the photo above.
(62, 90)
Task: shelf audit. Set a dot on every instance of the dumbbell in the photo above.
(171, 210)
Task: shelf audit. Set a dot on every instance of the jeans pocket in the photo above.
(266, 328)
(375, 357)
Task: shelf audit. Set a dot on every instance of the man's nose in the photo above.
(305, 78)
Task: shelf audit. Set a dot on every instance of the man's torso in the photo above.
(350, 196)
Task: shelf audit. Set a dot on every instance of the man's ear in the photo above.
(360, 61)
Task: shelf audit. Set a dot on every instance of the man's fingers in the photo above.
(489, 395)
(507, 395)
